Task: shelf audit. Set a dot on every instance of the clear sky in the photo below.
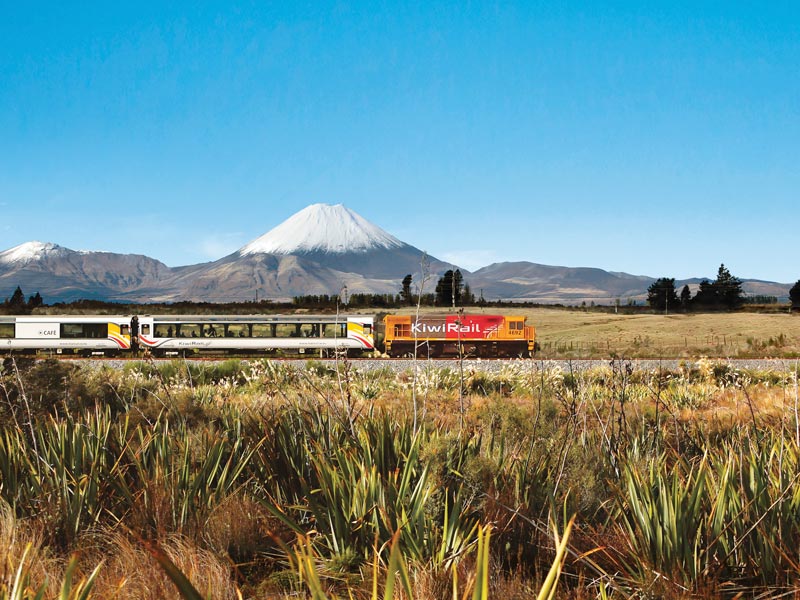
(655, 138)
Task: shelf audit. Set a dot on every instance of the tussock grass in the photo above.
(268, 480)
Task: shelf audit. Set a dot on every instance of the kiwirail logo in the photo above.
(423, 328)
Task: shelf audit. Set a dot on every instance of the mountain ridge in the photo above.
(322, 249)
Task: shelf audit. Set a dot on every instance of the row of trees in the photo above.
(451, 290)
(724, 293)
(17, 305)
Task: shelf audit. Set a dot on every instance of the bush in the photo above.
(42, 388)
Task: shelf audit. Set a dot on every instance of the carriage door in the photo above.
(135, 334)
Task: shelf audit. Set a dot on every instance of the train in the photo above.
(311, 335)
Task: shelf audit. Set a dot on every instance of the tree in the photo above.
(449, 287)
(794, 295)
(686, 297)
(35, 301)
(661, 294)
(458, 287)
(405, 292)
(729, 289)
(467, 296)
(724, 292)
(706, 296)
(16, 304)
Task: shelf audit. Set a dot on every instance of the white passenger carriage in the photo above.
(101, 335)
(182, 335)
(304, 334)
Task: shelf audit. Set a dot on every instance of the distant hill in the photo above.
(548, 284)
(59, 273)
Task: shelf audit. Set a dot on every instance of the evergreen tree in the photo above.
(405, 293)
(729, 289)
(686, 297)
(35, 301)
(458, 287)
(794, 295)
(706, 296)
(661, 294)
(468, 297)
(449, 288)
(444, 288)
(724, 292)
(16, 304)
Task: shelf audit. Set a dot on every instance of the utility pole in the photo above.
(453, 287)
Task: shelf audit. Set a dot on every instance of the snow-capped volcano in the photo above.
(326, 228)
(32, 251)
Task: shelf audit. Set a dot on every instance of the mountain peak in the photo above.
(332, 229)
(32, 251)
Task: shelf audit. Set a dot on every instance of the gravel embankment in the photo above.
(495, 366)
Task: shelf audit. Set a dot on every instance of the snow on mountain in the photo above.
(32, 251)
(326, 228)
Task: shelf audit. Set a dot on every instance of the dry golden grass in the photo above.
(15, 537)
(727, 408)
(130, 573)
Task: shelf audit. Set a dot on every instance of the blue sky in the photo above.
(658, 138)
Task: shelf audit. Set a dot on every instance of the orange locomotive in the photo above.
(476, 335)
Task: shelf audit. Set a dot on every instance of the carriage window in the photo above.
(125, 329)
(6, 330)
(335, 330)
(187, 330)
(309, 330)
(286, 330)
(263, 330)
(145, 328)
(237, 330)
(163, 330)
(84, 330)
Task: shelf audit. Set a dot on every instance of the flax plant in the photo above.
(663, 515)
(66, 474)
(189, 474)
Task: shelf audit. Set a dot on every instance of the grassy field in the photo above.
(682, 335)
(576, 333)
(259, 480)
